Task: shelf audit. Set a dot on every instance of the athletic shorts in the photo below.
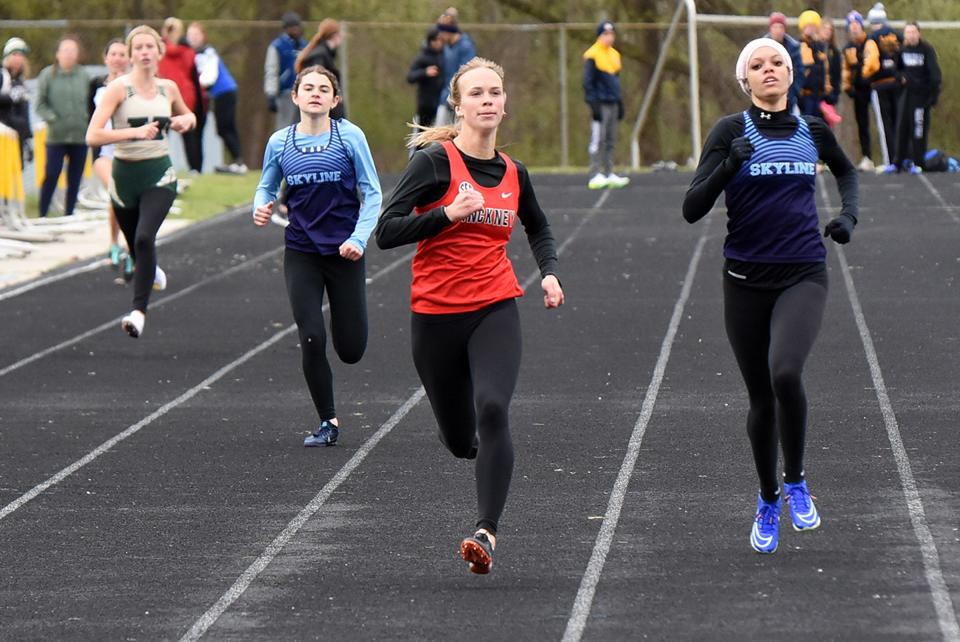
(130, 179)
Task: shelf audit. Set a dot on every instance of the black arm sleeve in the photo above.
(399, 224)
(933, 67)
(840, 166)
(536, 226)
(712, 173)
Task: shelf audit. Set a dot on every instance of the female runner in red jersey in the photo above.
(459, 201)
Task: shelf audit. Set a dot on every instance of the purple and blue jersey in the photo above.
(771, 208)
(333, 191)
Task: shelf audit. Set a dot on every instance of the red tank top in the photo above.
(465, 267)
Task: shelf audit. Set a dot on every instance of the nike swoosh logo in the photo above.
(759, 540)
(506, 194)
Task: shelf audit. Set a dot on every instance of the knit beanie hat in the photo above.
(605, 26)
(15, 45)
(809, 17)
(748, 52)
(777, 17)
(877, 14)
(854, 16)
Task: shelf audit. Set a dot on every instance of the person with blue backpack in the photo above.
(222, 89)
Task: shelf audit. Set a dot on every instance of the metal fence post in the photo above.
(343, 50)
(564, 116)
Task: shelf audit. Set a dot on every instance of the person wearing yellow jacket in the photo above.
(601, 88)
(861, 61)
(815, 87)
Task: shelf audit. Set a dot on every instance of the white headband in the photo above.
(748, 52)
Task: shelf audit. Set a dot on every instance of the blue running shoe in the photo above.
(115, 254)
(325, 435)
(128, 268)
(802, 511)
(765, 535)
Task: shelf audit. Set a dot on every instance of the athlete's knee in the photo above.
(491, 412)
(350, 351)
(787, 378)
(460, 447)
(312, 341)
(144, 243)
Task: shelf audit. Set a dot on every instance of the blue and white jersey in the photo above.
(333, 191)
(771, 200)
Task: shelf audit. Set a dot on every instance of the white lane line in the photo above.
(113, 323)
(167, 407)
(591, 577)
(952, 211)
(940, 593)
(247, 578)
(98, 263)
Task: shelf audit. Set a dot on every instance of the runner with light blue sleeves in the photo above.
(333, 202)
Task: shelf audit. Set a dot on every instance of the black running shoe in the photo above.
(477, 551)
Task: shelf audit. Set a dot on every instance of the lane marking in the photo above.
(98, 263)
(113, 323)
(583, 602)
(952, 211)
(939, 592)
(247, 578)
(167, 407)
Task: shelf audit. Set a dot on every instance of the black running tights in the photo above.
(308, 275)
(468, 363)
(139, 226)
(772, 332)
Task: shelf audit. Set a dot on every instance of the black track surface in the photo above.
(138, 543)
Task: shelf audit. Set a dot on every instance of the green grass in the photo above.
(211, 194)
(208, 195)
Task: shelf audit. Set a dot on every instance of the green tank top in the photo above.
(136, 111)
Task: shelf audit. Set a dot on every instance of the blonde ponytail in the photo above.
(426, 135)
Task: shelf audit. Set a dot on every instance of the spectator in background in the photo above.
(14, 97)
(117, 61)
(458, 49)
(816, 71)
(322, 50)
(861, 59)
(62, 96)
(778, 31)
(920, 76)
(220, 86)
(179, 65)
(426, 72)
(278, 70)
(601, 88)
(829, 40)
(885, 82)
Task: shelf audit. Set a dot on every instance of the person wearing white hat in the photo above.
(775, 277)
(14, 97)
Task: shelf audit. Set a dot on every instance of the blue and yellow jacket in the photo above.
(601, 74)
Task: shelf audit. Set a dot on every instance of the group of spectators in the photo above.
(896, 73)
(65, 92)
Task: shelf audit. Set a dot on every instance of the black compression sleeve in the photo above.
(843, 170)
(712, 173)
(399, 224)
(536, 226)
